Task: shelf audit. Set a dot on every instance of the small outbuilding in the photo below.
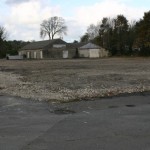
(91, 50)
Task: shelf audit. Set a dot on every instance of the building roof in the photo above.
(75, 45)
(90, 46)
(42, 44)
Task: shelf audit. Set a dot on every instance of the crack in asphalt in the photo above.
(42, 134)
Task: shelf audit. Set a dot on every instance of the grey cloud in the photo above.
(11, 2)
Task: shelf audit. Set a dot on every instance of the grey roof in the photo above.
(42, 44)
(75, 45)
(90, 46)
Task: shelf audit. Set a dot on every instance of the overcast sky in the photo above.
(22, 18)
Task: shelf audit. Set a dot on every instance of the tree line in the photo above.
(9, 47)
(120, 36)
(117, 35)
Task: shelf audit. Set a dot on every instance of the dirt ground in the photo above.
(67, 80)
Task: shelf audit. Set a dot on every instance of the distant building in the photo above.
(58, 48)
(91, 50)
(42, 49)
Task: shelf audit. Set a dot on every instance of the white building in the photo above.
(91, 50)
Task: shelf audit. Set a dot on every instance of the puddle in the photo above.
(130, 105)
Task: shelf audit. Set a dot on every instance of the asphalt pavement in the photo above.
(116, 123)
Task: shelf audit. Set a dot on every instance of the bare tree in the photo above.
(3, 33)
(53, 26)
(93, 31)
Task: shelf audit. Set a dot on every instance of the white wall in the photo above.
(15, 57)
(41, 54)
(94, 53)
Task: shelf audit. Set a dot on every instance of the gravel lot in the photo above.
(68, 80)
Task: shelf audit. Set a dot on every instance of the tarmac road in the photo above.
(118, 123)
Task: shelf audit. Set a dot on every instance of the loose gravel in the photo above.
(69, 80)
